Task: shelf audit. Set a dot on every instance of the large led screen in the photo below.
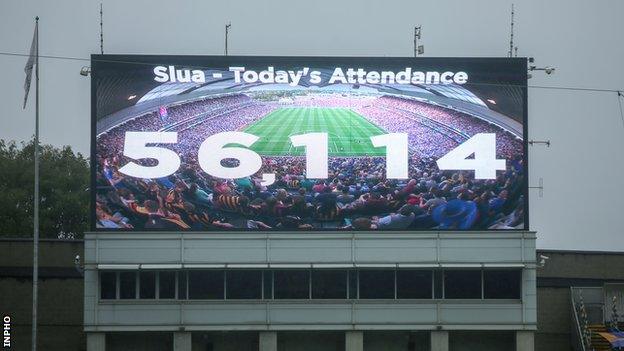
(235, 143)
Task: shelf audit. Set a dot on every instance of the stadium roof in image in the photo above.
(488, 106)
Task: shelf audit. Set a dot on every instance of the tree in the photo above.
(64, 191)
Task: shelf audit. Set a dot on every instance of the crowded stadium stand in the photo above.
(355, 196)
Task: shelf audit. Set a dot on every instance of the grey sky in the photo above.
(583, 203)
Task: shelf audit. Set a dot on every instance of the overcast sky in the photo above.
(583, 201)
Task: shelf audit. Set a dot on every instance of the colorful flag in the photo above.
(162, 112)
(30, 64)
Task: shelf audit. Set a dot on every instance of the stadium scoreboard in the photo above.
(308, 143)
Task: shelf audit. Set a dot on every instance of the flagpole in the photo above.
(36, 199)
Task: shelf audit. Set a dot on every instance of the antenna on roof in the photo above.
(540, 187)
(418, 49)
(101, 29)
(227, 31)
(511, 36)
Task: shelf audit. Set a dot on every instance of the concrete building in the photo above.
(568, 275)
(61, 292)
(61, 308)
(310, 291)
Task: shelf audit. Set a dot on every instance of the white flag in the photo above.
(34, 47)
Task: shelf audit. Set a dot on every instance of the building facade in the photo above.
(309, 291)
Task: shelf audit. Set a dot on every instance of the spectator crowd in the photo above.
(355, 196)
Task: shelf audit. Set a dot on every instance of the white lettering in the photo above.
(183, 75)
(403, 77)
(446, 77)
(387, 77)
(281, 77)
(171, 74)
(161, 74)
(315, 77)
(250, 76)
(432, 78)
(338, 75)
(372, 77)
(198, 76)
(460, 78)
(6, 332)
(267, 76)
(295, 77)
(418, 78)
(237, 73)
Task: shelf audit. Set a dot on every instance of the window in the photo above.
(376, 284)
(268, 284)
(205, 284)
(127, 285)
(244, 284)
(166, 285)
(501, 284)
(329, 284)
(291, 284)
(438, 282)
(108, 285)
(462, 284)
(353, 284)
(147, 285)
(182, 284)
(318, 284)
(414, 284)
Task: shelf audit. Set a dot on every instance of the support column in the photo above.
(268, 341)
(182, 341)
(439, 340)
(354, 340)
(96, 341)
(525, 340)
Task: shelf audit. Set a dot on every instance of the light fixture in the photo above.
(78, 265)
(491, 101)
(85, 71)
(131, 97)
(547, 69)
(542, 261)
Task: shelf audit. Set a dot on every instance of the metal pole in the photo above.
(101, 30)
(511, 37)
(36, 200)
(415, 41)
(227, 30)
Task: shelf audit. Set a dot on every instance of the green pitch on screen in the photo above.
(349, 133)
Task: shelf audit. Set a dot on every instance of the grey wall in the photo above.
(189, 249)
(60, 294)
(481, 341)
(225, 341)
(583, 265)
(311, 341)
(139, 341)
(61, 305)
(396, 341)
(565, 269)
(361, 248)
(554, 319)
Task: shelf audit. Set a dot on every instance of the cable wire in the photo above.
(620, 95)
(69, 58)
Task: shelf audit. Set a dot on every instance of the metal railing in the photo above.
(591, 300)
(577, 334)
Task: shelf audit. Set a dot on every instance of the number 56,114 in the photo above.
(213, 150)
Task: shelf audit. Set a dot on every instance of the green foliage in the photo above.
(64, 191)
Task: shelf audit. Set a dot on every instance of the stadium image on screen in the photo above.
(225, 155)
